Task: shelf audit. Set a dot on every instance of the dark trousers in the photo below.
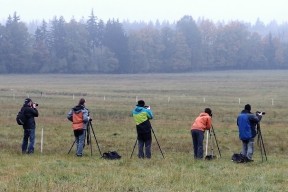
(147, 145)
(144, 139)
(197, 137)
(29, 134)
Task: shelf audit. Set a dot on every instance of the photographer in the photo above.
(246, 122)
(202, 122)
(142, 114)
(30, 111)
(79, 116)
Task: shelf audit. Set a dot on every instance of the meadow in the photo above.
(176, 100)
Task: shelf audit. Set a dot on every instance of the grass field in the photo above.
(176, 100)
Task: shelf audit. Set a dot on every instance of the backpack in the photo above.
(21, 119)
(238, 158)
(111, 155)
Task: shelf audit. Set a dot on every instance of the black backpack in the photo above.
(111, 155)
(21, 119)
(238, 158)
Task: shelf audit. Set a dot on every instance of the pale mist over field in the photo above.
(148, 10)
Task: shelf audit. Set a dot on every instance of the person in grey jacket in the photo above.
(79, 116)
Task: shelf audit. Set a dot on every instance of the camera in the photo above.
(147, 107)
(260, 113)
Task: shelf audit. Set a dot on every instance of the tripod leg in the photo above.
(216, 140)
(207, 141)
(89, 138)
(157, 143)
(211, 144)
(259, 144)
(95, 138)
(71, 146)
(262, 146)
(133, 148)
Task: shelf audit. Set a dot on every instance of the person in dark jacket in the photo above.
(79, 115)
(142, 114)
(30, 111)
(246, 122)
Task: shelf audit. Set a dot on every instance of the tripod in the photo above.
(88, 135)
(260, 142)
(156, 141)
(209, 135)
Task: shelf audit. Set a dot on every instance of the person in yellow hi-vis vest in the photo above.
(79, 115)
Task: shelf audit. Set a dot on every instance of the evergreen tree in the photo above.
(117, 41)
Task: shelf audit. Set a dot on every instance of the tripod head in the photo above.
(259, 113)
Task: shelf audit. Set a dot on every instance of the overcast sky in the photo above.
(146, 10)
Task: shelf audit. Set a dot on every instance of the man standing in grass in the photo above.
(202, 122)
(79, 116)
(142, 114)
(30, 111)
(246, 122)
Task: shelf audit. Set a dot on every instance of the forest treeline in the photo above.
(95, 46)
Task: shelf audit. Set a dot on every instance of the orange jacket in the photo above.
(202, 122)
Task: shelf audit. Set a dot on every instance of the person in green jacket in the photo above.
(142, 114)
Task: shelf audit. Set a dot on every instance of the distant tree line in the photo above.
(92, 46)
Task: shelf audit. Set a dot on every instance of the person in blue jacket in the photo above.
(142, 114)
(246, 122)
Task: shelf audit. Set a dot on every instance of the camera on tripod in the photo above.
(260, 113)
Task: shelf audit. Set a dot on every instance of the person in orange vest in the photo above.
(202, 122)
(79, 116)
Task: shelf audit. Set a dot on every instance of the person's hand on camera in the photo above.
(34, 105)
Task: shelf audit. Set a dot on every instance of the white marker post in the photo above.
(239, 101)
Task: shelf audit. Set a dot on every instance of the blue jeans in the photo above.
(80, 141)
(248, 148)
(29, 134)
(197, 137)
(147, 144)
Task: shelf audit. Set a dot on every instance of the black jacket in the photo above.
(30, 113)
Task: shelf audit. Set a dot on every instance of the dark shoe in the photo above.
(249, 160)
(79, 155)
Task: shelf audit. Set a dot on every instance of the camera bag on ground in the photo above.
(21, 118)
(111, 155)
(239, 158)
